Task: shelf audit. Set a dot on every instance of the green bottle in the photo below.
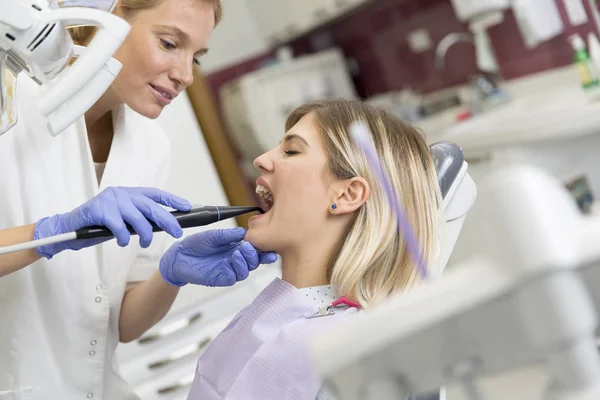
(583, 62)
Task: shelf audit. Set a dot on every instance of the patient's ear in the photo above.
(351, 194)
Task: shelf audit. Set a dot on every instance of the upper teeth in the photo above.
(264, 193)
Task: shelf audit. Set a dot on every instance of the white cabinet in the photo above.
(283, 20)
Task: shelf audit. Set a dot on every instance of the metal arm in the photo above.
(34, 39)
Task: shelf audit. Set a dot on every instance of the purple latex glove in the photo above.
(112, 208)
(212, 258)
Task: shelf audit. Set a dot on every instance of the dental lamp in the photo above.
(34, 40)
(529, 295)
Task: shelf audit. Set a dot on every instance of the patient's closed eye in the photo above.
(291, 152)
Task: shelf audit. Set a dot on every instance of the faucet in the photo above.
(483, 85)
(448, 41)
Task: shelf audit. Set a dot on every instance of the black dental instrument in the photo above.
(199, 216)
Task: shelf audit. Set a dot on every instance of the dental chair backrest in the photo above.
(458, 193)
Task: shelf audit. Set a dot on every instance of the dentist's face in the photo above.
(298, 181)
(164, 45)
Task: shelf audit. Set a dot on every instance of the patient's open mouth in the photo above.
(266, 196)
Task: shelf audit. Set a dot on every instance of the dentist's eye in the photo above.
(167, 45)
(291, 153)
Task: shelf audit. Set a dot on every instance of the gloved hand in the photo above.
(112, 208)
(212, 258)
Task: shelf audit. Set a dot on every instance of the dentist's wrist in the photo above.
(166, 265)
(45, 228)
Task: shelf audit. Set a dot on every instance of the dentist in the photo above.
(63, 316)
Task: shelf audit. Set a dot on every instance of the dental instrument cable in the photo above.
(361, 134)
(199, 216)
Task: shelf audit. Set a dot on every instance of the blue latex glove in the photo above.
(212, 258)
(112, 208)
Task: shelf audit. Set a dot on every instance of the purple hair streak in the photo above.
(362, 137)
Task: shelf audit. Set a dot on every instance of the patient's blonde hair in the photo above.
(82, 35)
(371, 262)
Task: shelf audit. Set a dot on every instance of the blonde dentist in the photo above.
(63, 316)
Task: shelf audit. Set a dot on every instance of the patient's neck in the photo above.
(304, 273)
(306, 265)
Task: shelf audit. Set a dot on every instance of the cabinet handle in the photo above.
(170, 360)
(172, 388)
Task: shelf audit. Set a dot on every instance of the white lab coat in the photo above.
(59, 318)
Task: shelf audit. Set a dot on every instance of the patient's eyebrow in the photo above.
(293, 136)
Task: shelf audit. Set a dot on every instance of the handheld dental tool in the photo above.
(198, 216)
(362, 137)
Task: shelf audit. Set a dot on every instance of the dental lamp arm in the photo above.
(85, 98)
(106, 42)
(35, 39)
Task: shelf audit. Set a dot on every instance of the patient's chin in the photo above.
(259, 240)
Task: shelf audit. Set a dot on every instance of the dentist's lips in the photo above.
(163, 95)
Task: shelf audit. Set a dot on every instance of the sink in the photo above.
(545, 106)
(539, 116)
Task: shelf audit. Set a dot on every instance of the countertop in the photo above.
(541, 107)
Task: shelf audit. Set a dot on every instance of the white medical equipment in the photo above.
(532, 295)
(161, 364)
(256, 105)
(34, 40)
(466, 10)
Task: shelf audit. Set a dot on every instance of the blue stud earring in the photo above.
(333, 206)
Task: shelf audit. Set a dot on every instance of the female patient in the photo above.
(337, 237)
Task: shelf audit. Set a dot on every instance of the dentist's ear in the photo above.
(350, 196)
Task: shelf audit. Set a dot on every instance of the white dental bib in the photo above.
(262, 353)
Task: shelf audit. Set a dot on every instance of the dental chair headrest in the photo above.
(448, 159)
(458, 196)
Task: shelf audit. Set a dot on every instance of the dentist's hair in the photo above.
(371, 262)
(82, 35)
